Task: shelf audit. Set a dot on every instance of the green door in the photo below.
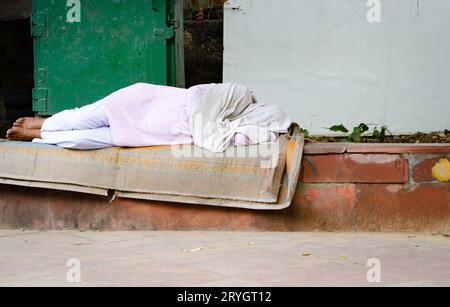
(86, 49)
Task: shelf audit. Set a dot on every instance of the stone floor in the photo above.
(34, 258)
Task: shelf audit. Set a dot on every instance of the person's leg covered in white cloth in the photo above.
(80, 128)
(78, 139)
(90, 116)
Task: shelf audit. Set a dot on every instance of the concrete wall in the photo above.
(326, 64)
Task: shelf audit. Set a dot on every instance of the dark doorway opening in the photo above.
(16, 67)
(203, 41)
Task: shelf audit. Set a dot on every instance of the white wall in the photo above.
(325, 63)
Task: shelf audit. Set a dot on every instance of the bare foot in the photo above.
(22, 134)
(29, 122)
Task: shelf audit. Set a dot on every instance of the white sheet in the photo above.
(227, 109)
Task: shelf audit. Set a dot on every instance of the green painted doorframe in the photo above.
(84, 50)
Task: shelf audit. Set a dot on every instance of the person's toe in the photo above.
(9, 133)
(18, 122)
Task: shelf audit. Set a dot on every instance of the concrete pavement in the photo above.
(37, 258)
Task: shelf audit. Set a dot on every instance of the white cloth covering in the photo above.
(228, 112)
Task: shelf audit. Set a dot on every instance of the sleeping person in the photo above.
(213, 116)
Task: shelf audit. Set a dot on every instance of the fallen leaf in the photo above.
(306, 254)
(194, 250)
(445, 235)
(344, 258)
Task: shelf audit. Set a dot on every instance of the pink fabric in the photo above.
(145, 115)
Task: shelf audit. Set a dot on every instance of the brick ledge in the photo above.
(338, 148)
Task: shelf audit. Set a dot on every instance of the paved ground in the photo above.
(32, 258)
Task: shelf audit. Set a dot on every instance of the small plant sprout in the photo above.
(358, 132)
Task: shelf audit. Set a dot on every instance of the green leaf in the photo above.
(338, 128)
(355, 136)
(363, 127)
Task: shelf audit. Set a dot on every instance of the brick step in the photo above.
(382, 190)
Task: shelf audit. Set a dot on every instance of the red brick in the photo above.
(325, 207)
(327, 148)
(393, 207)
(422, 170)
(365, 168)
(49, 209)
(324, 148)
(315, 207)
(398, 148)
